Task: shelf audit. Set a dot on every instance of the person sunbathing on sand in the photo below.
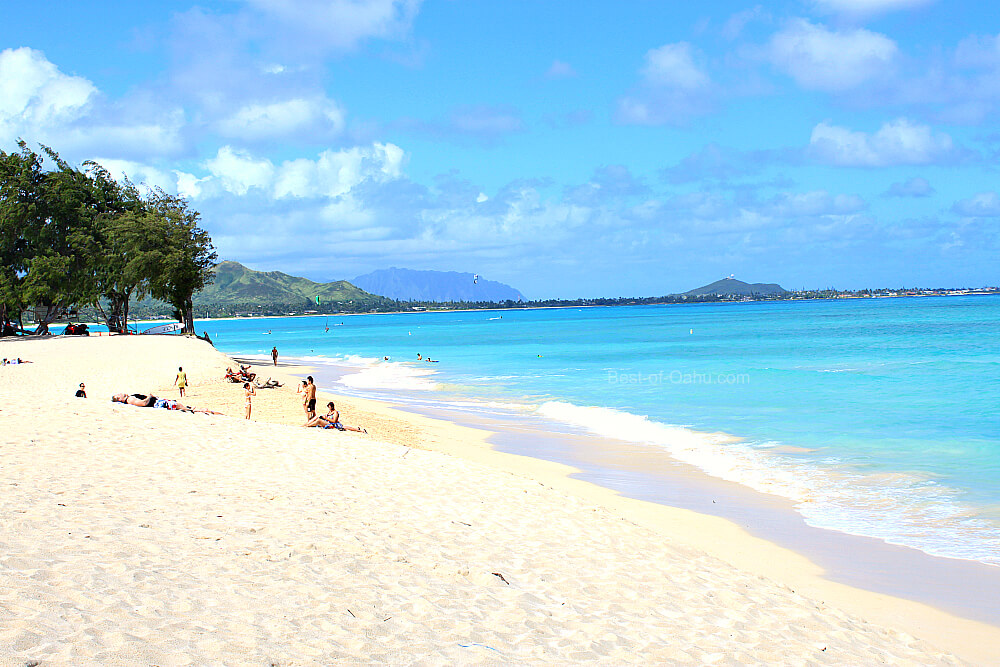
(332, 420)
(144, 401)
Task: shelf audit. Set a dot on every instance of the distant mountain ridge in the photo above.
(237, 284)
(733, 287)
(412, 285)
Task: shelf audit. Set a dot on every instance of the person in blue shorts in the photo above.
(332, 420)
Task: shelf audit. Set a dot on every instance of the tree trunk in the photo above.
(189, 317)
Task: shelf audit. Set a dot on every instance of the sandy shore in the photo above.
(142, 536)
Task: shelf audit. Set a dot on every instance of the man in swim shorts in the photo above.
(310, 398)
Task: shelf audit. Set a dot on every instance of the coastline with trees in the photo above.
(71, 238)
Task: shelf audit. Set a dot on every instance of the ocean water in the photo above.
(876, 417)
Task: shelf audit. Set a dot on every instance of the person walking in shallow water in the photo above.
(274, 355)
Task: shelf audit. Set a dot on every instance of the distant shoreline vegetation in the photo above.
(150, 310)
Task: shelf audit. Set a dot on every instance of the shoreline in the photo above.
(764, 534)
(273, 486)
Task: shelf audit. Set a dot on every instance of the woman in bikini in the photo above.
(248, 392)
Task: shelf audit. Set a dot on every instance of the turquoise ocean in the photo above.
(876, 417)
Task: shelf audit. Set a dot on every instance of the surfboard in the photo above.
(173, 327)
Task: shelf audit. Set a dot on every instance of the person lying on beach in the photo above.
(240, 377)
(268, 384)
(144, 401)
(332, 420)
(82, 391)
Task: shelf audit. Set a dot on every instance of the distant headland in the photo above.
(238, 291)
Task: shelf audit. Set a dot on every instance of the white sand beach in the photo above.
(138, 536)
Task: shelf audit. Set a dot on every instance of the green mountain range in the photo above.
(236, 285)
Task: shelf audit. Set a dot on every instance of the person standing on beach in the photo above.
(181, 380)
(301, 389)
(248, 392)
(310, 398)
(274, 355)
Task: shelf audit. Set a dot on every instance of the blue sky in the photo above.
(569, 149)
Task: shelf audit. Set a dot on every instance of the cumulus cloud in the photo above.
(982, 205)
(899, 141)
(673, 87)
(914, 187)
(139, 173)
(337, 24)
(40, 103)
(332, 174)
(319, 117)
(35, 95)
(831, 60)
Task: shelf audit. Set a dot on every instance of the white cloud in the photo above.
(238, 172)
(188, 185)
(811, 204)
(978, 51)
(41, 104)
(673, 87)
(982, 205)
(830, 60)
(673, 66)
(868, 7)
(138, 173)
(35, 96)
(332, 174)
(560, 70)
(282, 119)
(899, 141)
(340, 24)
(737, 22)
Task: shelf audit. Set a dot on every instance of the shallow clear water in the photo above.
(877, 417)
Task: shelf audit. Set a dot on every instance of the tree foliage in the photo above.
(70, 237)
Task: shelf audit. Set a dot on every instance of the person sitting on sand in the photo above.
(332, 420)
(81, 392)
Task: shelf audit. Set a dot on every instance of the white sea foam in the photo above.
(390, 375)
(899, 508)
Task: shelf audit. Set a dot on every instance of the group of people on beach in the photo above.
(332, 417)
(308, 390)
